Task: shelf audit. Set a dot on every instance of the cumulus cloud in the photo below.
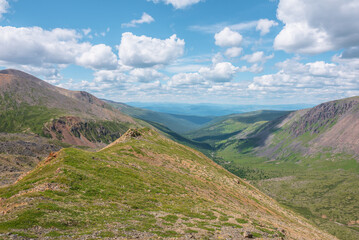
(143, 51)
(4, 6)
(98, 57)
(186, 80)
(37, 47)
(255, 68)
(228, 38)
(314, 79)
(233, 52)
(220, 72)
(178, 4)
(257, 57)
(147, 75)
(264, 26)
(110, 76)
(313, 27)
(146, 18)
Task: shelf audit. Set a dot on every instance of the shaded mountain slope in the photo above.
(142, 186)
(241, 124)
(28, 104)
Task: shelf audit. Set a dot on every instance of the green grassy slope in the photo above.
(177, 123)
(323, 187)
(279, 157)
(142, 186)
(22, 117)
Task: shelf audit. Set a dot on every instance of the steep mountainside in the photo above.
(179, 123)
(142, 186)
(30, 105)
(307, 160)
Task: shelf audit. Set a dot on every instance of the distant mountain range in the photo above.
(207, 109)
(178, 123)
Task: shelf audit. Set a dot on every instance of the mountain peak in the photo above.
(18, 73)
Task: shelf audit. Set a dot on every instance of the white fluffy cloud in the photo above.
(255, 68)
(186, 80)
(313, 27)
(4, 6)
(228, 38)
(220, 72)
(37, 47)
(257, 57)
(143, 51)
(146, 18)
(315, 80)
(233, 52)
(178, 4)
(147, 75)
(110, 76)
(98, 57)
(264, 26)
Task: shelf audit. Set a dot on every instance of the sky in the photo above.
(187, 51)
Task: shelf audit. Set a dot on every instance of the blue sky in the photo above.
(190, 51)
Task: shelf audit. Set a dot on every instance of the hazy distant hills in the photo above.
(142, 186)
(178, 123)
(207, 109)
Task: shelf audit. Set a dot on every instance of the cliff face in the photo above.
(323, 116)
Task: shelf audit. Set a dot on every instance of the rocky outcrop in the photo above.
(20, 153)
(75, 131)
(322, 116)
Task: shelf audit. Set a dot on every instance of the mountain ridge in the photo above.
(147, 186)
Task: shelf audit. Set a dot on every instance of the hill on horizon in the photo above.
(213, 110)
(178, 123)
